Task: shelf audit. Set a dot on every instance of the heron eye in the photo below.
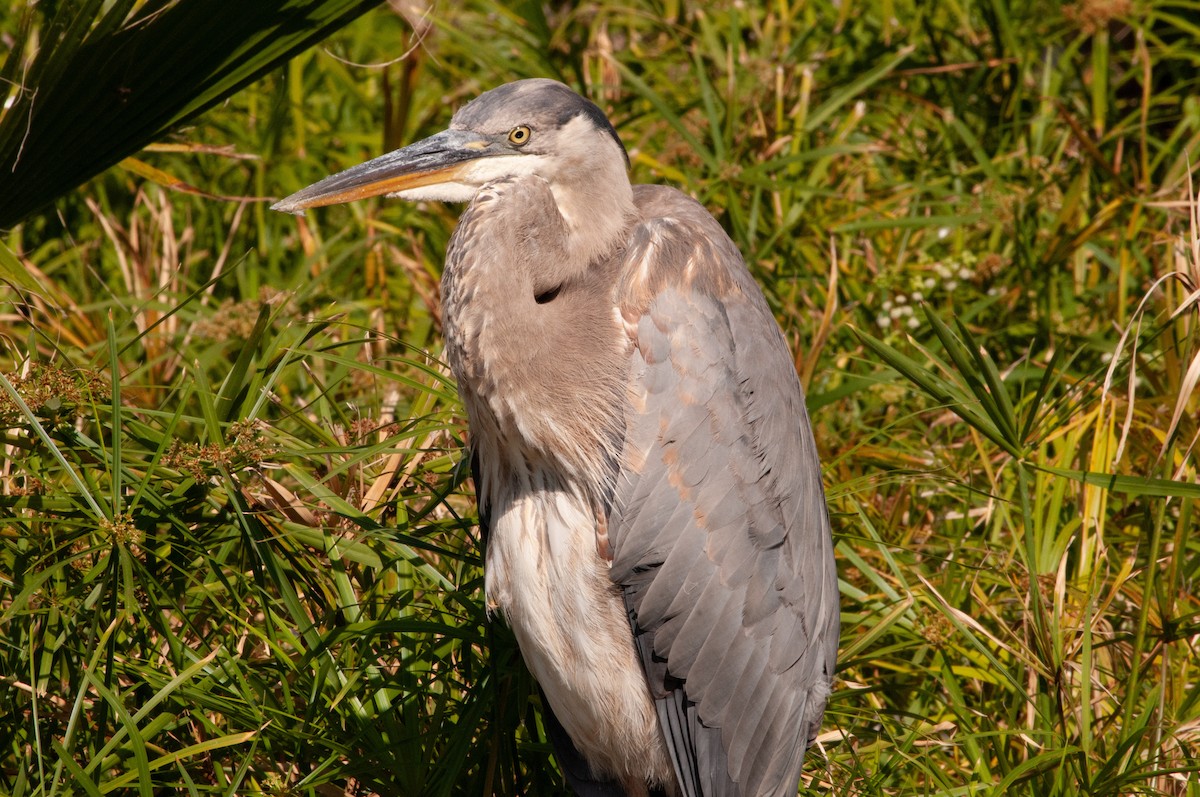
(519, 135)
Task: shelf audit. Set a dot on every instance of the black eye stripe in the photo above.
(548, 296)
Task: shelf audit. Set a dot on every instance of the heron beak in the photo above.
(439, 159)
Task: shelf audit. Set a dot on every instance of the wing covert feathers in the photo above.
(719, 531)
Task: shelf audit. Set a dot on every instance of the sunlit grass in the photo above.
(236, 546)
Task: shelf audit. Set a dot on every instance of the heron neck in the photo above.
(598, 213)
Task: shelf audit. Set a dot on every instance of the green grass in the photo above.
(236, 544)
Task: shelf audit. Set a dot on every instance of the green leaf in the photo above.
(1129, 485)
(105, 83)
(13, 271)
(953, 396)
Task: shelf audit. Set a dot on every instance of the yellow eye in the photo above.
(519, 135)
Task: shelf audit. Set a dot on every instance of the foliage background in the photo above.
(236, 553)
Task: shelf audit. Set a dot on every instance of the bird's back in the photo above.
(720, 534)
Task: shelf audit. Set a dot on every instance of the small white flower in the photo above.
(901, 299)
(943, 232)
(884, 321)
(951, 284)
(917, 296)
(913, 322)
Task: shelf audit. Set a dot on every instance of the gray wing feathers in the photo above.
(720, 536)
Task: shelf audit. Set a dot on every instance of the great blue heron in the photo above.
(656, 527)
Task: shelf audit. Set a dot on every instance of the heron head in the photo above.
(529, 127)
